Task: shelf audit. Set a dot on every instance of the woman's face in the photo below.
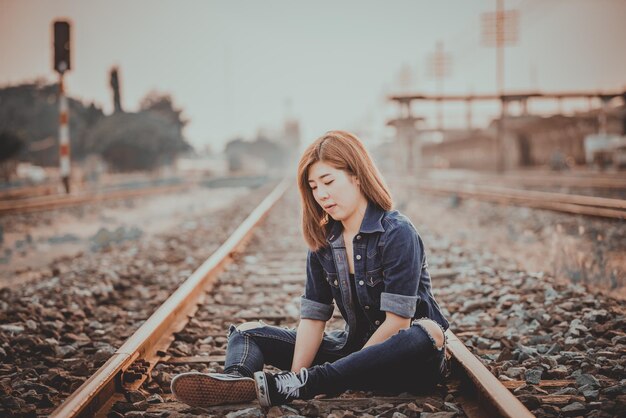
(336, 191)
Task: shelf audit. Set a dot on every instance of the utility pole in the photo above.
(500, 30)
(62, 63)
(114, 81)
(439, 64)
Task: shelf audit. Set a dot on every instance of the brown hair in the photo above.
(343, 151)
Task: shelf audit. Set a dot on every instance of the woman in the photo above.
(370, 261)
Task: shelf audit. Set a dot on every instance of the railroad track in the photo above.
(560, 202)
(200, 310)
(56, 201)
(543, 179)
(28, 191)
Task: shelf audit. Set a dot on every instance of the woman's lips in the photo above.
(330, 208)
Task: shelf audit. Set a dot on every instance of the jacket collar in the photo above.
(372, 222)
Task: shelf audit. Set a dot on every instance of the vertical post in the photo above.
(439, 68)
(62, 63)
(439, 105)
(602, 116)
(525, 107)
(500, 81)
(64, 136)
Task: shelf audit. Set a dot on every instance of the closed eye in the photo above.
(329, 182)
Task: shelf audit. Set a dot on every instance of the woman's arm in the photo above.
(308, 340)
(390, 326)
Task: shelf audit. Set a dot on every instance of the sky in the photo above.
(237, 68)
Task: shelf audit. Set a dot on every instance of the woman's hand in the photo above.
(308, 340)
(390, 326)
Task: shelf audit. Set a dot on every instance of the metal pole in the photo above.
(439, 104)
(500, 80)
(64, 136)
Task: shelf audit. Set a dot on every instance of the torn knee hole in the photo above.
(249, 325)
(434, 331)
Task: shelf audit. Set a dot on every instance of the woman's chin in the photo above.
(336, 217)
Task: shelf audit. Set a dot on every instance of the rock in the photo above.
(154, 399)
(449, 406)
(103, 354)
(135, 396)
(275, 412)
(587, 379)
(505, 354)
(590, 394)
(555, 349)
(530, 401)
(122, 407)
(515, 371)
(566, 391)
(614, 390)
(245, 413)
(533, 376)
(573, 409)
(310, 409)
(12, 328)
(63, 351)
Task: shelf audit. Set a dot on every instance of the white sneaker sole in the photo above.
(262, 393)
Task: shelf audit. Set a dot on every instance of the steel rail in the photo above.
(59, 201)
(577, 204)
(489, 391)
(89, 398)
(558, 181)
(529, 178)
(27, 191)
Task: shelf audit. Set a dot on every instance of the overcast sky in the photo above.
(234, 66)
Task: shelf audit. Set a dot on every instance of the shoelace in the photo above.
(289, 384)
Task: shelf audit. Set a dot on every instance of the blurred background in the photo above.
(153, 86)
(107, 98)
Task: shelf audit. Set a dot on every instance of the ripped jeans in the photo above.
(408, 361)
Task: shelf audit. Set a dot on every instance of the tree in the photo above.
(10, 145)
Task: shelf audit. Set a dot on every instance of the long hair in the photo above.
(344, 151)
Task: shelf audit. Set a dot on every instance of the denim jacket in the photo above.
(391, 275)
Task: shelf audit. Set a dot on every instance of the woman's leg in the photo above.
(411, 360)
(250, 346)
(254, 344)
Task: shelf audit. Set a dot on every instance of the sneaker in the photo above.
(279, 388)
(205, 390)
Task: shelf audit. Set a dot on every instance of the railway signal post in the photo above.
(499, 29)
(62, 63)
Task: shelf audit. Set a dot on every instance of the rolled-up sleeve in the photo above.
(402, 267)
(317, 301)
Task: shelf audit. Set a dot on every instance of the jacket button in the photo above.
(358, 237)
(361, 282)
(377, 322)
(358, 256)
(367, 307)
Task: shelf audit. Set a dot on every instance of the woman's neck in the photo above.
(352, 224)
